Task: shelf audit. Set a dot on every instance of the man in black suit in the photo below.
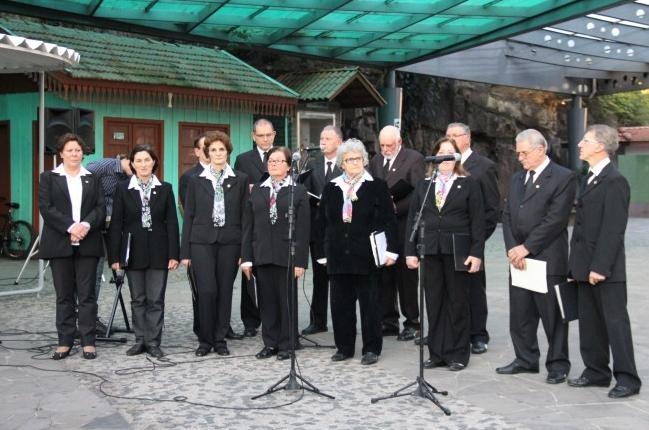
(535, 225)
(323, 169)
(203, 162)
(252, 163)
(484, 170)
(597, 263)
(402, 168)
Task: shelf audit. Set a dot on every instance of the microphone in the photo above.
(296, 156)
(436, 159)
(310, 149)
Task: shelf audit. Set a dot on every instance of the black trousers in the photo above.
(525, 309)
(74, 284)
(345, 291)
(478, 307)
(249, 311)
(399, 287)
(272, 293)
(603, 323)
(320, 297)
(215, 268)
(147, 288)
(447, 307)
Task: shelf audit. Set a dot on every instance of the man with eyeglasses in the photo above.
(253, 164)
(484, 170)
(402, 169)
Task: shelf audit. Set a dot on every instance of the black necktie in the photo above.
(585, 183)
(529, 183)
(330, 172)
(386, 168)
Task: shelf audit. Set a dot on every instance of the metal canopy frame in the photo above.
(381, 33)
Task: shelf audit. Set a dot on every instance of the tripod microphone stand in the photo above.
(294, 381)
(423, 388)
(118, 280)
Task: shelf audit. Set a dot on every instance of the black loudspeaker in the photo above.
(57, 123)
(61, 121)
(84, 122)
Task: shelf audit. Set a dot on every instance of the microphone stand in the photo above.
(423, 389)
(293, 379)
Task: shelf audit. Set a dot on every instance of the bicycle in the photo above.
(17, 236)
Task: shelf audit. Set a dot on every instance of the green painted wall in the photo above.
(21, 109)
(636, 169)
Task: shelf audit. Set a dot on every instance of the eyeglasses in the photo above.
(265, 136)
(453, 136)
(353, 160)
(526, 153)
(277, 161)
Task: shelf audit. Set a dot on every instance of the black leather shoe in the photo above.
(283, 355)
(155, 351)
(408, 333)
(232, 335)
(556, 377)
(266, 352)
(514, 368)
(61, 355)
(425, 341)
(584, 381)
(620, 391)
(222, 350)
(136, 349)
(89, 355)
(339, 356)
(478, 347)
(369, 358)
(202, 351)
(389, 330)
(454, 366)
(250, 332)
(431, 364)
(313, 329)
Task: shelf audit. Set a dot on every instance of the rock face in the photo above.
(495, 114)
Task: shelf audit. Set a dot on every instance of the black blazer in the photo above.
(183, 182)
(250, 163)
(484, 171)
(56, 209)
(539, 220)
(598, 237)
(462, 213)
(347, 245)
(266, 243)
(149, 249)
(315, 183)
(408, 165)
(198, 226)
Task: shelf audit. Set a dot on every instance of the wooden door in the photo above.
(187, 132)
(121, 135)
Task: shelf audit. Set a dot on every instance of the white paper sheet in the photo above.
(533, 278)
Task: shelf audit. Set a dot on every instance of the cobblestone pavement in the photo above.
(183, 391)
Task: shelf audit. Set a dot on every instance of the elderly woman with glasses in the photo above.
(353, 206)
(265, 245)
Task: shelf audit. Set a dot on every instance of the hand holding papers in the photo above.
(379, 245)
(532, 278)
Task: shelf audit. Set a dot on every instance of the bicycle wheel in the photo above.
(19, 241)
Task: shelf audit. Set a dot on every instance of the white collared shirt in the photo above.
(537, 172)
(75, 188)
(132, 184)
(262, 153)
(340, 182)
(333, 164)
(597, 168)
(285, 183)
(390, 161)
(227, 173)
(465, 155)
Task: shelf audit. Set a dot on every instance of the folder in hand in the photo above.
(379, 244)
(566, 293)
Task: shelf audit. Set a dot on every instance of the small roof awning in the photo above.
(346, 86)
(22, 55)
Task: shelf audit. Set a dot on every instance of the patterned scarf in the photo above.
(275, 186)
(442, 192)
(350, 196)
(218, 209)
(146, 196)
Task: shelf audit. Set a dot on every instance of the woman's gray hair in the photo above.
(351, 145)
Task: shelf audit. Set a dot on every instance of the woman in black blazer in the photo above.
(265, 245)
(211, 241)
(72, 206)
(143, 238)
(353, 206)
(454, 206)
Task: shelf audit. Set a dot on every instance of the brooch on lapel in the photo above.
(154, 192)
(87, 181)
(459, 186)
(228, 186)
(537, 186)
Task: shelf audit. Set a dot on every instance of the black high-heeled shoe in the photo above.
(90, 355)
(58, 355)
